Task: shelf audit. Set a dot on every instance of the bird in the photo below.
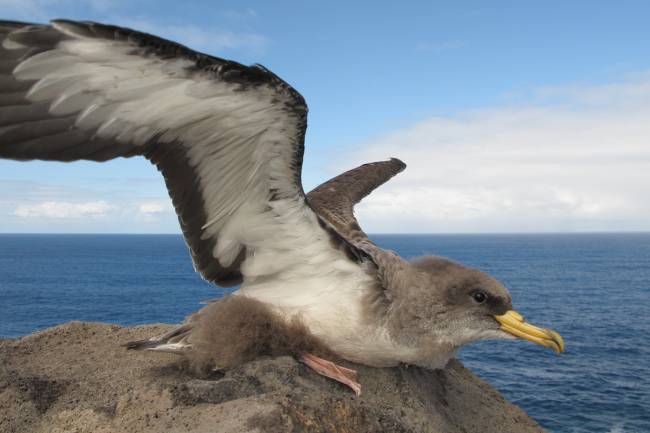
(229, 142)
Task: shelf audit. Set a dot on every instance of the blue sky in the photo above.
(512, 116)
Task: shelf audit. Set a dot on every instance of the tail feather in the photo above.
(174, 341)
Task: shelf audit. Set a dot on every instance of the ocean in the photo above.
(592, 288)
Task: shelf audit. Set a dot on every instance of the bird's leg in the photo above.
(333, 371)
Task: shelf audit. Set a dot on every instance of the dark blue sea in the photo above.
(592, 288)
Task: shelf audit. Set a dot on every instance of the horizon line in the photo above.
(586, 232)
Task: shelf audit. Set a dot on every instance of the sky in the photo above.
(511, 116)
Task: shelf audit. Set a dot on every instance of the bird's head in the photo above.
(455, 305)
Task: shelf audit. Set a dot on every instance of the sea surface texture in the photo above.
(592, 288)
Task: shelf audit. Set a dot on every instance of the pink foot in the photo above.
(333, 371)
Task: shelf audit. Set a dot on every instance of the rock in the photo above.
(76, 378)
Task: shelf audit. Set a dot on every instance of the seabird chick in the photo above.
(228, 140)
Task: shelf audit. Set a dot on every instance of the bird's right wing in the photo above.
(227, 138)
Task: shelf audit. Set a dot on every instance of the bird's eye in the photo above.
(479, 297)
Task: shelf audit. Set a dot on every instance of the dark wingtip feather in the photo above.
(398, 163)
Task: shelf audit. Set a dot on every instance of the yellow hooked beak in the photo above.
(513, 323)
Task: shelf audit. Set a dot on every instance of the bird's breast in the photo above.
(332, 307)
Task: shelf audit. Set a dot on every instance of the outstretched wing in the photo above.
(228, 138)
(335, 199)
(334, 202)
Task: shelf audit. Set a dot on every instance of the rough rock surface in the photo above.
(76, 378)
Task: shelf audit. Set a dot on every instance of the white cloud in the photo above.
(87, 205)
(149, 211)
(64, 210)
(210, 39)
(199, 38)
(30, 211)
(578, 158)
(151, 208)
(634, 90)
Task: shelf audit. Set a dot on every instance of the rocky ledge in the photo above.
(76, 378)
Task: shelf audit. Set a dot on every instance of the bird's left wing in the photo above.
(335, 199)
(228, 138)
(334, 203)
